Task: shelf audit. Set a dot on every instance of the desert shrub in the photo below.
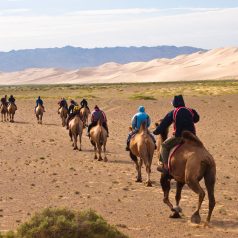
(64, 223)
(142, 97)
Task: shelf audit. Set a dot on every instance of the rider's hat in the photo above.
(178, 101)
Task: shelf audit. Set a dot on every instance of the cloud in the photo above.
(14, 11)
(208, 28)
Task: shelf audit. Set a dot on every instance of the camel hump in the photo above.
(189, 136)
(143, 126)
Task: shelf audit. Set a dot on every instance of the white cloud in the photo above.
(208, 28)
(13, 11)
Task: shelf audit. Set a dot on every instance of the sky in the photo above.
(27, 24)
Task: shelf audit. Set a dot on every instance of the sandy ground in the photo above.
(221, 63)
(39, 168)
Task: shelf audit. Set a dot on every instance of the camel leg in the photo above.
(165, 184)
(134, 158)
(100, 152)
(80, 142)
(195, 186)
(177, 209)
(104, 151)
(210, 179)
(70, 135)
(75, 142)
(95, 152)
(148, 171)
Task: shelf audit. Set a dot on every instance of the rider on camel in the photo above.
(98, 114)
(140, 117)
(62, 103)
(12, 100)
(4, 100)
(83, 104)
(39, 101)
(183, 119)
(71, 112)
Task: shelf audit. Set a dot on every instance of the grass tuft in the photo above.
(64, 223)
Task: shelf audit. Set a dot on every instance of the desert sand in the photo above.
(215, 64)
(39, 167)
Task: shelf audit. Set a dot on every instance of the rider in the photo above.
(71, 112)
(140, 117)
(4, 100)
(98, 114)
(183, 119)
(12, 100)
(62, 103)
(39, 102)
(83, 104)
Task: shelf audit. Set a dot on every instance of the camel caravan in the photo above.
(182, 156)
(8, 108)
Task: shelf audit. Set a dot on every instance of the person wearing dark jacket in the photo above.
(62, 103)
(71, 112)
(97, 115)
(83, 104)
(183, 119)
(12, 100)
(4, 100)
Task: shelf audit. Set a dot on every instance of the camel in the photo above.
(188, 165)
(142, 146)
(63, 115)
(39, 111)
(84, 113)
(75, 130)
(98, 138)
(11, 111)
(4, 112)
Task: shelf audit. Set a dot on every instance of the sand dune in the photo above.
(215, 64)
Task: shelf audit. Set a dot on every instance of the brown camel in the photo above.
(84, 113)
(39, 111)
(11, 111)
(75, 131)
(4, 112)
(63, 115)
(98, 138)
(188, 165)
(142, 146)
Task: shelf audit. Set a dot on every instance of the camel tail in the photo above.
(101, 139)
(190, 137)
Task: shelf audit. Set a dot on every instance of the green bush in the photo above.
(63, 223)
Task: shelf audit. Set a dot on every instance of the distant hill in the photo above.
(75, 57)
(215, 64)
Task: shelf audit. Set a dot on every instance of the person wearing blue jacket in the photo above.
(140, 117)
(183, 119)
(39, 101)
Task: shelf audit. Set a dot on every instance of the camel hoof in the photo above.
(177, 209)
(100, 159)
(105, 159)
(75, 148)
(139, 180)
(175, 215)
(149, 184)
(95, 157)
(196, 218)
(80, 149)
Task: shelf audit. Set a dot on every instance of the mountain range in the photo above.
(75, 57)
(214, 64)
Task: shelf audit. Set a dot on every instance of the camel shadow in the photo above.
(120, 162)
(225, 224)
(22, 122)
(50, 124)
